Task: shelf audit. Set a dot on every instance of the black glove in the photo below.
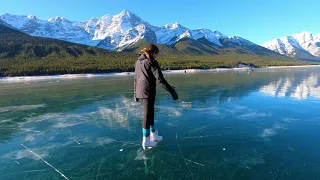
(174, 94)
(135, 98)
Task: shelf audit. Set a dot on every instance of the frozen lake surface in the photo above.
(226, 125)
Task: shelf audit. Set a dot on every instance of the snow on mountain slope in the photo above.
(169, 33)
(4, 23)
(58, 28)
(212, 36)
(186, 34)
(296, 44)
(113, 32)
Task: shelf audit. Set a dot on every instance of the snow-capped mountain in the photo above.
(169, 33)
(5, 24)
(113, 32)
(303, 45)
(58, 28)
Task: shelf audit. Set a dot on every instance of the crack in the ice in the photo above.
(45, 161)
(198, 137)
(185, 160)
(74, 138)
(165, 170)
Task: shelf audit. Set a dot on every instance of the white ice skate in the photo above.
(147, 143)
(155, 137)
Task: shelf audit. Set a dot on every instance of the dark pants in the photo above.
(148, 118)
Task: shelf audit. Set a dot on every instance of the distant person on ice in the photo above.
(147, 72)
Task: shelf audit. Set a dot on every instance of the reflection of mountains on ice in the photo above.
(293, 87)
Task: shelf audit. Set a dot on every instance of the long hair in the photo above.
(150, 50)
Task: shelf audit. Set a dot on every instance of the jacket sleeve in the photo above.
(135, 80)
(134, 84)
(156, 70)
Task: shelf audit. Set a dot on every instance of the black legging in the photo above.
(148, 118)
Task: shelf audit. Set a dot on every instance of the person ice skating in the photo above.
(147, 72)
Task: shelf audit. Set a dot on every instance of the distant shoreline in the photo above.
(302, 66)
(75, 76)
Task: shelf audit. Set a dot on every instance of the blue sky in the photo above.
(256, 20)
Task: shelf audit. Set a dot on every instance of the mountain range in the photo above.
(24, 55)
(302, 46)
(128, 32)
(125, 31)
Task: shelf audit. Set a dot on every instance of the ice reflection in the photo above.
(294, 87)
